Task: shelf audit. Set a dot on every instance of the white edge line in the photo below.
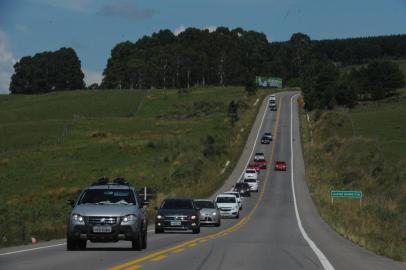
(322, 258)
(255, 142)
(253, 148)
(31, 249)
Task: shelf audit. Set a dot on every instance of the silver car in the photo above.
(209, 213)
(107, 212)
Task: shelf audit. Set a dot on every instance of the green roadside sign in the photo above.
(268, 82)
(346, 194)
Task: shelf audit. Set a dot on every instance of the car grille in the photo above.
(176, 218)
(102, 220)
(225, 209)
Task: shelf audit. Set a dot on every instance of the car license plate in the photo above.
(102, 229)
(176, 223)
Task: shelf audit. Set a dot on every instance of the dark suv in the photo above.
(177, 214)
(243, 189)
(107, 212)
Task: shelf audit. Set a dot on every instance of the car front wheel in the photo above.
(144, 240)
(137, 242)
(71, 244)
(196, 231)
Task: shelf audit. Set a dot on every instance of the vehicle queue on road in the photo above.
(109, 211)
(227, 204)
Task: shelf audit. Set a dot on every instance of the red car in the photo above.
(254, 166)
(280, 166)
(261, 163)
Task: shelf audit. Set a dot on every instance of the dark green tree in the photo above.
(47, 72)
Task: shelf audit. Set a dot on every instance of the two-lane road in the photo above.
(279, 227)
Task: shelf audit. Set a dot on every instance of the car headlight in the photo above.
(159, 217)
(78, 219)
(214, 213)
(193, 217)
(129, 218)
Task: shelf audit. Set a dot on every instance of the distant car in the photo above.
(259, 155)
(260, 161)
(237, 195)
(265, 140)
(250, 174)
(228, 205)
(272, 107)
(253, 183)
(280, 166)
(209, 212)
(272, 98)
(177, 214)
(243, 189)
(255, 167)
(268, 135)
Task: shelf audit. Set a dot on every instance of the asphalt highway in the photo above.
(278, 228)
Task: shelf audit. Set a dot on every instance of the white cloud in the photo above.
(211, 28)
(92, 76)
(7, 60)
(182, 28)
(179, 29)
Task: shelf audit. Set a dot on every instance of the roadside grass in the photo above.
(361, 149)
(53, 145)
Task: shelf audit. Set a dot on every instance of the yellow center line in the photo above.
(159, 258)
(233, 228)
(135, 267)
(178, 250)
(192, 245)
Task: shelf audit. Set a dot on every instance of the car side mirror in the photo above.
(198, 208)
(70, 202)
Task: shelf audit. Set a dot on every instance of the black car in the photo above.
(177, 214)
(265, 140)
(243, 189)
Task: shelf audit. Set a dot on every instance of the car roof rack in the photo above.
(106, 181)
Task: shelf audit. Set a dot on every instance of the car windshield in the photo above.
(230, 199)
(250, 171)
(241, 185)
(108, 196)
(249, 180)
(177, 204)
(205, 204)
(234, 193)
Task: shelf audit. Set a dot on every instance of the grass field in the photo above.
(53, 145)
(361, 149)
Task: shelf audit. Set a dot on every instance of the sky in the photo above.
(94, 27)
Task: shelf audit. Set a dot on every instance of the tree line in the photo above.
(198, 57)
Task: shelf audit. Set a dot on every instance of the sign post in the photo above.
(346, 194)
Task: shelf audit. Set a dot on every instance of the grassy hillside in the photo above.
(53, 145)
(361, 149)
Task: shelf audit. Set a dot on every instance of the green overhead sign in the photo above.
(346, 194)
(268, 82)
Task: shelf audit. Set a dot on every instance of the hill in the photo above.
(361, 149)
(52, 145)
